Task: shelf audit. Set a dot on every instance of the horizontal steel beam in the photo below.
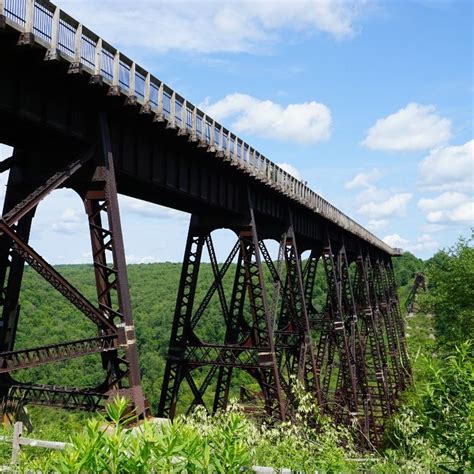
(59, 397)
(25, 358)
(226, 356)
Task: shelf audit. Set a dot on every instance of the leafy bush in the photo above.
(450, 298)
(226, 443)
(435, 427)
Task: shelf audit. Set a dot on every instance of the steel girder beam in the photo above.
(113, 318)
(25, 358)
(19, 395)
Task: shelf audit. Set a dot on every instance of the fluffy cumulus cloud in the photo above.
(395, 205)
(304, 123)
(448, 168)
(363, 180)
(460, 214)
(290, 169)
(447, 200)
(71, 221)
(414, 127)
(214, 25)
(394, 240)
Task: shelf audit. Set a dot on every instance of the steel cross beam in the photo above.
(19, 395)
(25, 358)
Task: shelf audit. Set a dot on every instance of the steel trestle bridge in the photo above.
(82, 115)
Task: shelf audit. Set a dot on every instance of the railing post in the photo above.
(53, 52)
(172, 119)
(212, 133)
(17, 432)
(29, 16)
(131, 81)
(115, 89)
(146, 107)
(27, 37)
(184, 116)
(97, 77)
(193, 124)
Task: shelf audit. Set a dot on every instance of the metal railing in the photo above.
(66, 38)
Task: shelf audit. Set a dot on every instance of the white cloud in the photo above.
(290, 169)
(394, 240)
(450, 167)
(461, 214)
(363, 180)
(393, 206)
(146, 209)
(414, 127)
(377, 224)
(212, 26)
(71, 222)
(305, 123)
(447, 200)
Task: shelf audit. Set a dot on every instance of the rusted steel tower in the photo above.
(92, 175)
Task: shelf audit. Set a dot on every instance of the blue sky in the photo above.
(370, 102)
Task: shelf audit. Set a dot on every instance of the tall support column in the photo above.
(399, 322)
(233, 333)
(345, 394)
(390, 328)
(262, 330)
(357, 346)
(181, 333)
(309, 285)
(110, 268)
(11, 265)
(373, 349)
(294, 319)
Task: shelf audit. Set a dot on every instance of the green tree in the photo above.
(450, 296)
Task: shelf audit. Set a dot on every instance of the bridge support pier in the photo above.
(248, 342)
(92, 176)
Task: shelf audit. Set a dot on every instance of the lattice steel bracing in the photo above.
(248, 342)
(92, 175)
(293, 339)
(340, 356)
(374, 353)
